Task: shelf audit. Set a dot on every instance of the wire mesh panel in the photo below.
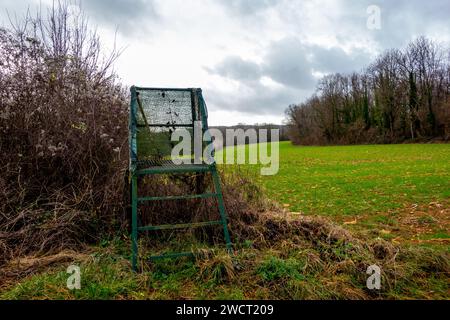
(156, 114)
(166, 107)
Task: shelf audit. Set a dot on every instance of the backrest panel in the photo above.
(166, 107)
(156, 113)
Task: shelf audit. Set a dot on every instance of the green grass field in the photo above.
(396, 196)
(401, 190)
(352, 180)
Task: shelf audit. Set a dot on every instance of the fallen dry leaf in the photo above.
(396, 240)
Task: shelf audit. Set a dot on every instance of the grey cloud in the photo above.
(131, 16)
(401, 20)
(247, 7)
(335, 59)
(287, 63)
(257, 99)
(236, 68)
(290, 63)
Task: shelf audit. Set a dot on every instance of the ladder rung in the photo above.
(174, 169)
(191, 196)
(180, 226)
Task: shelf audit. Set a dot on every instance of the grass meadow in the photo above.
(364, 186)
(353, 180)
(394, 199)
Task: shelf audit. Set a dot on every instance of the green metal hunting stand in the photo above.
(155, 113)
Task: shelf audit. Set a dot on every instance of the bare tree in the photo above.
(402, 95)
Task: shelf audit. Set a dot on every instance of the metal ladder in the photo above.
(154, 108)
(136, 201)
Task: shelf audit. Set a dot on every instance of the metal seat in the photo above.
(144, 167)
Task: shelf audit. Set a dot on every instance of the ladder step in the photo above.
(181, 225)
(190, 196)
(174, 169)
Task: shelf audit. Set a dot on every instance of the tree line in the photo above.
(282, 131)
(404, 95)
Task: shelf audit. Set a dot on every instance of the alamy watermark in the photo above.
(374, 280)
(74, 280)
(374, 17)
(265, 151)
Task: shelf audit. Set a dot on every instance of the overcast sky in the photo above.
(251, 58)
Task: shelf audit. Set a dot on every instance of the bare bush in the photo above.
(63, 133)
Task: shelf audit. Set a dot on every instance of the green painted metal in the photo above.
(198, 107)
(190, 196)
(222, 211)
(165, 125)
(175, 169)
(134, 228)
(163, 89)
(181, 225)
(132, 130)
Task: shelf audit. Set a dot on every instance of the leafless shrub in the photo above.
(63, 120)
